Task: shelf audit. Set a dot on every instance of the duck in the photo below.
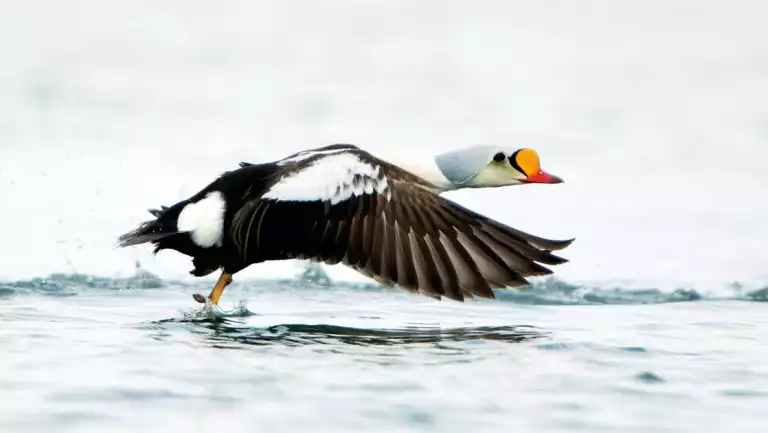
(385, 217)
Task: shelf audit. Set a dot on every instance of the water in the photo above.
(88, 354)
(654, 112)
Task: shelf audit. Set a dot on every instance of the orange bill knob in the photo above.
(528, 161)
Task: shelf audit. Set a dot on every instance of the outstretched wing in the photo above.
(352, 208)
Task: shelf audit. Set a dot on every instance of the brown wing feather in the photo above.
(440, 249)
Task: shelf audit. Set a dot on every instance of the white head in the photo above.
(492, 166)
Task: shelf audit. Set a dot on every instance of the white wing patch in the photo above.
(335, 178)
(204, 220)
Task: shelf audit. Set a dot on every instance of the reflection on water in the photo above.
(223, 332)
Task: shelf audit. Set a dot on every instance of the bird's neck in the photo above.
(422, 165)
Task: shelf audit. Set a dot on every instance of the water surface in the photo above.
(88, 354)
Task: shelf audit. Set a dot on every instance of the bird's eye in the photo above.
(499, 157)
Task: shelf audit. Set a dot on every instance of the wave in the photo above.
(62, 284)
(549, 291)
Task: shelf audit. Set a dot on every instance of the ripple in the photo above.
(649, 377)
(554, 346)
(744, 393)
(633, 349)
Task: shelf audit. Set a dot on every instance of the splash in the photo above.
(213, 312)
(550, 291)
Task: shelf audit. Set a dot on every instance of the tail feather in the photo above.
(157, 212)
(149, 231)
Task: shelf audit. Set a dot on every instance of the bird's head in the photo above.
(492, 166)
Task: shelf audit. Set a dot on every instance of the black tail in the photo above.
(152, 231)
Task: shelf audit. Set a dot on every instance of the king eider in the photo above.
(341, 204)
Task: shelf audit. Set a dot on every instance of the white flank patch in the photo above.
(331, 178)
(204, 220)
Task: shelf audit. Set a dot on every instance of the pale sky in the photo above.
(654, 112)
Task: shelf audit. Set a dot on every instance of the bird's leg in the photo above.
(218, 289)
